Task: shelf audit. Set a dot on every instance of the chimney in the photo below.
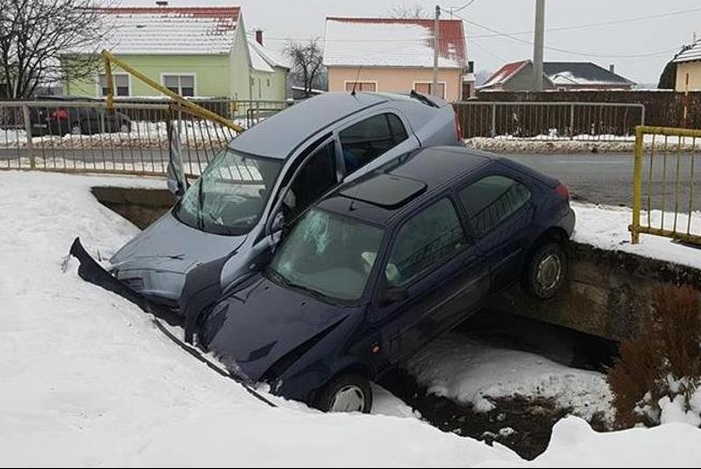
(612, 68)
(259, 36)
(162, 3)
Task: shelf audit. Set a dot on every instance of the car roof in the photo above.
(279, 135)
(379, 196)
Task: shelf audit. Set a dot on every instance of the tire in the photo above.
(545, 271)
(345, 393)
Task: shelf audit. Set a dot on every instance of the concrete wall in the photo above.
(607, 293)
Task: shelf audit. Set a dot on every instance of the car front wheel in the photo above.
(545, 271)
(346, 393)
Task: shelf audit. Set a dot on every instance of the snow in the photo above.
(383, 44)
(87, 380)
(475, 373)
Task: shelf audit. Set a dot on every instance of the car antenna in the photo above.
(357, 75)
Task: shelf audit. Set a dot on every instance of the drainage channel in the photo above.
(521, 422)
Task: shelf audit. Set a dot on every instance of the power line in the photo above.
(603, 23)
(566, 51)
(456, 10)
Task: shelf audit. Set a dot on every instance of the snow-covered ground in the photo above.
(87, 380)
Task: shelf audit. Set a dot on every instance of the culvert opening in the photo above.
(142, 207)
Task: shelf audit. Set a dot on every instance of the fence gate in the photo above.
(666, 184)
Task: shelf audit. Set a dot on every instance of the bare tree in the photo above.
(42, 41)
(407, 12)
(306, 62)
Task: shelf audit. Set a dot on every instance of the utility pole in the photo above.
(436, 46)
(539, 44)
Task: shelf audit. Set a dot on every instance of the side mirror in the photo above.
(393, 295)
(278, 222)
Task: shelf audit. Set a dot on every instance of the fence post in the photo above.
(28, 130)
(494, 120)
(572, 121)
(637, 184)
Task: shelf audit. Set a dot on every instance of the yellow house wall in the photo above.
(694, 71)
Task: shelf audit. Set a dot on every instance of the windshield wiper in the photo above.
(200, 205)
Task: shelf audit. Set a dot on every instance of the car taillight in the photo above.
(60, 114)
(458, 128)
(563, 191)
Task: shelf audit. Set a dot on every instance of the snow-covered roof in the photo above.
(690, 53)
(562, 74)
(392, 42)
(172, 30)
(504, 74)
(582, 74)
(264, 59)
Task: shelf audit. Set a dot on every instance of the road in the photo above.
(605, 179)
(608, 178)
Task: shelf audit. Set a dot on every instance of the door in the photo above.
(434, 277)
(500, 211)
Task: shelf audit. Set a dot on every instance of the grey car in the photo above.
(267, 176)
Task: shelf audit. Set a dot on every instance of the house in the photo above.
(688, 64)
(269, 71)
(193, 51)
(562, 76)
(391, 54)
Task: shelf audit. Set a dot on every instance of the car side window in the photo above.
(491, 200)
(428, 239)
(370, 138)
(316, 177)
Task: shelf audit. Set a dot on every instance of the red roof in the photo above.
(505, 74)
(451, 33)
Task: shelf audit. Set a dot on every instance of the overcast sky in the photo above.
(638, 36)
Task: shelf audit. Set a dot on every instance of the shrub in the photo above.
(658, 375)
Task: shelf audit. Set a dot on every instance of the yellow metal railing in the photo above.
(195, 109)
(664, 184)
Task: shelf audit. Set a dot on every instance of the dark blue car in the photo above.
(383, 265)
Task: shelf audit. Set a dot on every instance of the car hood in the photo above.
(171, 246)
(263, 323)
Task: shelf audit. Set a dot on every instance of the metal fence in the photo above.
(666, 191)
(133, 138)
(550, 121)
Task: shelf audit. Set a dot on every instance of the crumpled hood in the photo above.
(171, 246)
(262, 323)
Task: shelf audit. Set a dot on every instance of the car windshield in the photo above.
(328, 255)
(230, 195)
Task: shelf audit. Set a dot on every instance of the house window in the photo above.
(121, 84)
(184, 85)
(361, 86)
(427, 88)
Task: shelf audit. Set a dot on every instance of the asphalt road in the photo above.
(602, 178)
(608, 178)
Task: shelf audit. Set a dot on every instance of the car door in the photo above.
(500, 211)
(434, 277)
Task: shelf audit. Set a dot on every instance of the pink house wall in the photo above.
(396, 79)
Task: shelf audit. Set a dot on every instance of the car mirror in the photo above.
(393, 295)
(278, 222)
